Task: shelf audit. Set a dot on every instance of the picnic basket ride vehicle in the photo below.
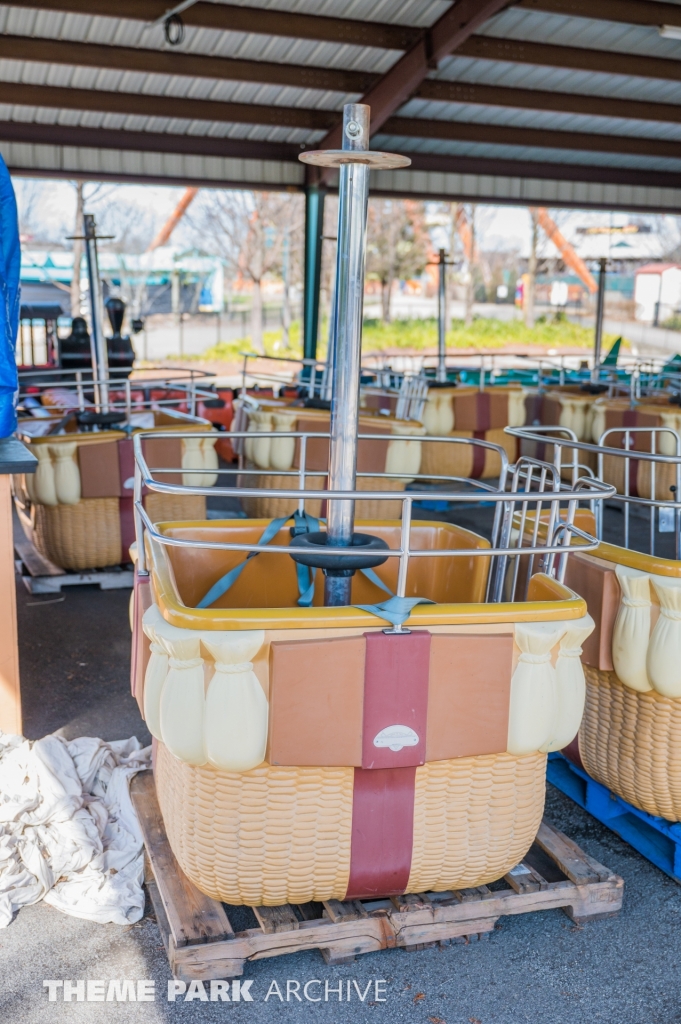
(349, 708)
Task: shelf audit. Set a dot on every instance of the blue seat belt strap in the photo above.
(305, 585)
(397, 609)
(376, 580)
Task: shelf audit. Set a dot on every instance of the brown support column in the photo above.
(14, 458)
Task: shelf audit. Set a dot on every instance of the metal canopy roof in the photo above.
(562, 102)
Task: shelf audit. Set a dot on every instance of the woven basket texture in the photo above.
(86, 535)
(163, 508)
(274, 508)
(665, 477)
(568, 456)
(439, 459)
(631, 743)
(275, 835)
(457, 459)
(474, 819)
(264, 837)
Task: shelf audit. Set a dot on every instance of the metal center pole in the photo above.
(331, 348)
(353, 195)
(441, 325)
(100, 356)
(598, 336)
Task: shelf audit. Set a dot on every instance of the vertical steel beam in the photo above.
(395, 87)
(100, 354)
(441, 323)
(598, 334)
(314, 228)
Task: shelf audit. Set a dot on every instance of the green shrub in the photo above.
(415, 335)
(483, 333)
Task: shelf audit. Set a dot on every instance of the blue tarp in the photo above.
(10, 269)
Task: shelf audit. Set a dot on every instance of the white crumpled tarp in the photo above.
(68, 831)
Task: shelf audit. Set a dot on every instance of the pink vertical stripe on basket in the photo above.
(396, 672)
(382, 832)
(142, 599)
(484, 411)
(126, 461)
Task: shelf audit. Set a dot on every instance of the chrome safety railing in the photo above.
(130, 395)
(410, 391)
(310, 373)
(663, 512)
(409, 394)
(534, 515)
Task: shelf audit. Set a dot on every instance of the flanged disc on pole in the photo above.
(337, 157)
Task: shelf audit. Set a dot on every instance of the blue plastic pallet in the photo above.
(658, 840)
(433, 505)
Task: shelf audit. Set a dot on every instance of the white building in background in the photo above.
(622, 238)
(657, 292)
(162, 281)
(559, 293)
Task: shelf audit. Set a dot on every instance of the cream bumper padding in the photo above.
(213, 709)
(643, 660)
(205, 709)
(546, 699)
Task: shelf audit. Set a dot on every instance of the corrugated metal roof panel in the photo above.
(162, 125)
(528, 191)
(208, 42)
(534, 76)
(223, 129)
(461, 113)
(566, 30)
(70, 160)
(538, 119)
(74, 161)
(406, 12)
(108, 80)
(513, 23)
(497, 151)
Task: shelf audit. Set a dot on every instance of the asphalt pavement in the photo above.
(537, 967)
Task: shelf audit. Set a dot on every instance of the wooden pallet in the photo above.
(40, 576)
(202, 944)
(658, 840)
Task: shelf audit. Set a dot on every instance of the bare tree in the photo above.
(397, 246)
(328, 269)
(29, 192)
(469, 248)
(449, 278)
(528, 299)
(111, 216)
(248, 230)
(77, 251)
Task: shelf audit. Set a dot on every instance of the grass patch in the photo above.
(481, 334)
(416, 335)
(229, 351)
(673, 323)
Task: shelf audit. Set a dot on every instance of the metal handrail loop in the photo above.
(516, 489)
